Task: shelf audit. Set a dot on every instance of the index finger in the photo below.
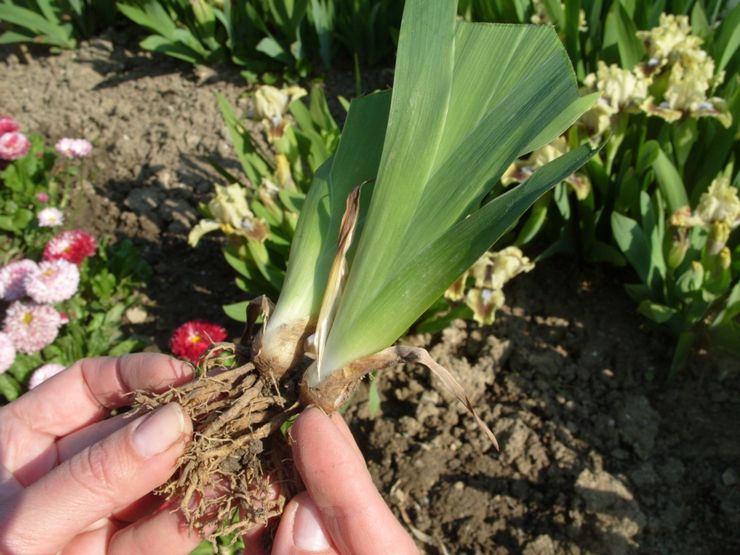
(87, 391)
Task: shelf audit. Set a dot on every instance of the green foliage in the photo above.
(108, 282)
(22, 180)
(268, 35)
(686, 277)
(453, 119)
(661, 150)
(258, 210)
(189, 31)
(367, 29)
(57, 23)
(657, 146)
(108, 287)
(653, 152)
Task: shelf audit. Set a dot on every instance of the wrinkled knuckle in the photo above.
(96, 471)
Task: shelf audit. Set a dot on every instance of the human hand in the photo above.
(341, 511)
(72, 481)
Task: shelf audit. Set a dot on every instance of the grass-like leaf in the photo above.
(356, 161)
(414, 286)
(468, 99)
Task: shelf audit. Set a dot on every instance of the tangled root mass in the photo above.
(235, 473)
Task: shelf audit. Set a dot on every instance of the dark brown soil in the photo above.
(594, 458)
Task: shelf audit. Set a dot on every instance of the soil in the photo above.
(595, 458)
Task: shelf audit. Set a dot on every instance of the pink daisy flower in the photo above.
(31, 327)
(8, 125)
(56, 281)
(42, 197)
(50, 217)
(73, 148)
(73, 246)
(7, 352)
(13, 145)
(43, 373)
(13, 279)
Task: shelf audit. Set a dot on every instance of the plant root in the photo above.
(234, 474)
(337, 388)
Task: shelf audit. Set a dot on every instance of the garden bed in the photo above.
(594, 458)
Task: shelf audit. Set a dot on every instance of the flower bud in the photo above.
(282, 172)
(725, 258)
(719, 233)
(695, 276)
(678, 248)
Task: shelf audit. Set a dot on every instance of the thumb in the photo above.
(301, 530)
(95, 483)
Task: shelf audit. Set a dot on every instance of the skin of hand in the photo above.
(73, 480)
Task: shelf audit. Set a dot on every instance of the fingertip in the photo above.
(311, 415)
(314, 428)
(341, 425)
(301, 530)
(161, 430)
(340, 485)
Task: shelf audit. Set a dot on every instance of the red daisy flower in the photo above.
(192, 339)
(72, 246)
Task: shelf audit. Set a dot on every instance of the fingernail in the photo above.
(159, 431)
(308, 533)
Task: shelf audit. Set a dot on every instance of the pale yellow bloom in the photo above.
(456, 291)
(720, 203)
(521, 170)
(231, 214)
(684, 218)
(670, 38)
(621, 89)
(692, 73)
(494, 269)
(491, 272)
(271, 106)
(541, 17)
(598, 119)
(686, 93)
(718, 212)
(484, 304)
